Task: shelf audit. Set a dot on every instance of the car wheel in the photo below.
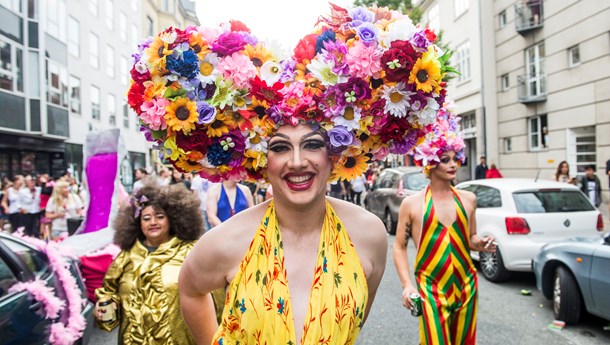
(492, 266)
(390, 225)
(566, 296)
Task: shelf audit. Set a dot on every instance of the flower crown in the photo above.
(211, 98)
(444, 136)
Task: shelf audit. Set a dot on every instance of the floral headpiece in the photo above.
(212, 97)
(138, 202)
(444, 136)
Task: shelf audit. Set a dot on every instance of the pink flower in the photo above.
(364, 61)
(238, 68)
(294, 100)
(153, 113)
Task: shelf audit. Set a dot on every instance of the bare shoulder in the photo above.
(362, 226)
(412, 203)
(467, 197)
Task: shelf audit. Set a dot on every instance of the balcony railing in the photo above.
(531, 89)
(529, 15)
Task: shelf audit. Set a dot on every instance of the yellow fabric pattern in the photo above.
(145, 287)
(258, 307)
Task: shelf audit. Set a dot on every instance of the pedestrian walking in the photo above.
(62, 206)
(201, 186)
(591, 186)
(29, 206)
(481, 169)
(10, 202)
(357, 187)
(225, 200)
(141, 174)
(444, 232)
(493, 172)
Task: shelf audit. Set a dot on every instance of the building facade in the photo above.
(534, 88)
(64, 72)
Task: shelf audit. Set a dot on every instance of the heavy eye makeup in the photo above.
(447, 159)
(158, 216)
(281, 145)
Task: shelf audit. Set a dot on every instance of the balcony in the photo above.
(531, 89)
(529, 16)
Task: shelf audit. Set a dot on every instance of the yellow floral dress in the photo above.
(258, 308)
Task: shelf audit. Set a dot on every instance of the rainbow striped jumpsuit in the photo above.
(446, 278)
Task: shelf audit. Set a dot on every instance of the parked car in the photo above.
(389, 189)
(21, 319)
(574, 274)
(525, 214)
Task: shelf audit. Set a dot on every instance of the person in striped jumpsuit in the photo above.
(441, 221)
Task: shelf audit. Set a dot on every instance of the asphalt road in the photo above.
(505, 316)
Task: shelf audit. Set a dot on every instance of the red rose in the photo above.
(139, 77)
(430, 35)
(306, 49)
(195, 140)
(403, 53)
(236, 25)
(135, 96)
(395, 129)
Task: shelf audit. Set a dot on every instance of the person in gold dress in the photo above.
(155, 232)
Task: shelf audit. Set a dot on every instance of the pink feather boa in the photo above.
(61, 334)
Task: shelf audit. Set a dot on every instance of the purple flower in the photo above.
(405, 145)
(287, 70)
(340, 136)
(250, 39)
(360, 87)
(147, 133)
(419, 40)
(367, 33)
(207, 113)
(228, 43)
(361, 15)
(335, 51)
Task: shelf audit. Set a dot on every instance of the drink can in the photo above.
(108, 313)
(417, 304)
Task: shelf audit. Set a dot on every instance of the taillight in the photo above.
(517, 226)
(600, 222)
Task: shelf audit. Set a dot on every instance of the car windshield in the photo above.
(416, 181)
(551, 201)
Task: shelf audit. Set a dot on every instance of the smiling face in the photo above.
(447, 168)
(298, 164)
(155, 226)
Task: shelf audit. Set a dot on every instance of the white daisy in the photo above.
(350, 118)
(402, 29)
(255, 140)
(324, 72)
(397, 99)
(427, 116)
(208, 66)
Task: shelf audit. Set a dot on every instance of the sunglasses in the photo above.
(446, 160)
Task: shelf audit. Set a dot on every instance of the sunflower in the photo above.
(199, 45)
(157, 53)
(313, 86)
(181, 115)
(426, 73)
(221, 125)
(258, 54)
(190, 163)
(350, 167)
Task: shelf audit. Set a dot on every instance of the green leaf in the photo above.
(158, 134)
(172, 94)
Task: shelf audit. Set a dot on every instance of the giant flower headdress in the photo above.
(212, 97)
(445, 136)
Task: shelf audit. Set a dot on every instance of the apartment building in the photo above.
(64, 72)
(535, 83)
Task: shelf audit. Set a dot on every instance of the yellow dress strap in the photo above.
(258, 308)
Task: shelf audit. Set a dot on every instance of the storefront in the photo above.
(25, 155)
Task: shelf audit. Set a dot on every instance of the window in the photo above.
(460, 7)
(74, 95)
(574, 56)
(150, 26)
(551, 201)
(93, 6)
(488, 197)
(168, 6)
(502, 19)
(125, 114)
(56, 19)
(538, 132)
(7, 279)
(73, 37)
(508, 145)
(585, 152)
(123, 70)
(417, 181)
(110, 61)
(31, 258)
(433, 18)
(95, 103)
(469, 121)
(111, 109)
(109, 14)
(462, 54)
(13, 5)
(94, 50)
(57, 84)
(505, 80)
(123, 26)
(134, 35)
(11, 67)
(534, 65)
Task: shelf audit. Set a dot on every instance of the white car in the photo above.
(523, 215)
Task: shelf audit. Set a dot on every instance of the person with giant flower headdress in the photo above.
(444, 231)
(155, 231)
(300, 268)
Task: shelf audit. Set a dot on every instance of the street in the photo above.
(505, 316)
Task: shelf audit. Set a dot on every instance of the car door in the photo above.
(374, 198)
(600, 279)
(21, 317)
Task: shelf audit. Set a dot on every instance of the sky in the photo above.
(285, 21)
